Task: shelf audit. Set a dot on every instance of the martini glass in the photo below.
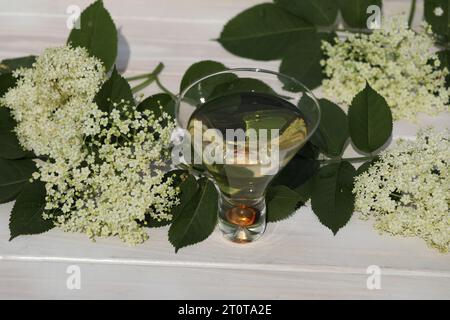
(242, 127)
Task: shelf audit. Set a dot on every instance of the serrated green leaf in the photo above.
(158, 103)
(197, 219)
(201, 70)
(9, 65)
(440, 24)
(300, 169)
(263, 32)
(13, 175)
(302, 61)
(114, 90)
(316, 12)
(304, 191)
(370, 120)
(281, 203)
(97, 33)
(354, 12)
(333, 132)
(332, 199)
(26, 216)
(9, 145)
(188, 189)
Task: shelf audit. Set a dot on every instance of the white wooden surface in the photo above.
(297, 258)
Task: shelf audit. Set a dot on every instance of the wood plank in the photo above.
(35, 280)
(298, 242)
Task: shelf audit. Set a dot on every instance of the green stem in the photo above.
(164, 89)
(150, 77)
(356, 159)
(346, 30)
(412, 12)
(155, 72)
(144, 84)
(139, 77)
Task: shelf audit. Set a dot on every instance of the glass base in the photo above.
(242, 220)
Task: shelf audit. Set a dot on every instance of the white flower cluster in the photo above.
(396, 61)
(51, 99)
(120, 180)
(407, 192)
(105, 172)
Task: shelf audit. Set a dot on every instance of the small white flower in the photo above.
(438, 11)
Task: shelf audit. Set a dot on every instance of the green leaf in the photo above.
(300, 169)
(354, 12)
(198, 217)
(13, 175)
(9, 145)
(7, 81)
(370, 120)
(263, 32)
(9, 65)
(332, 134)
(114, 90)
(440, 24)
(304, 191)
(97, 34)
(332, 198)
(202, 91)
(281, 202)
(316, 12)
(188, 187)
(158, 103)
(302, 61)
(26, 217)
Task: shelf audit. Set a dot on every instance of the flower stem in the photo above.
(149, 78)
(355, 159)
(412, 12)
(144, 84)
(155, 72)
(347, 30)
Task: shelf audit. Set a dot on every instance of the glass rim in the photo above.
(181, 95)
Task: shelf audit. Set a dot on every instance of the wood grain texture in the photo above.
(297, 258)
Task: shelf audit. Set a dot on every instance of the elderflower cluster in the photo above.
(119, 182)
(396, 61)
(51, 99)
(407, 192)
(104, 172)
